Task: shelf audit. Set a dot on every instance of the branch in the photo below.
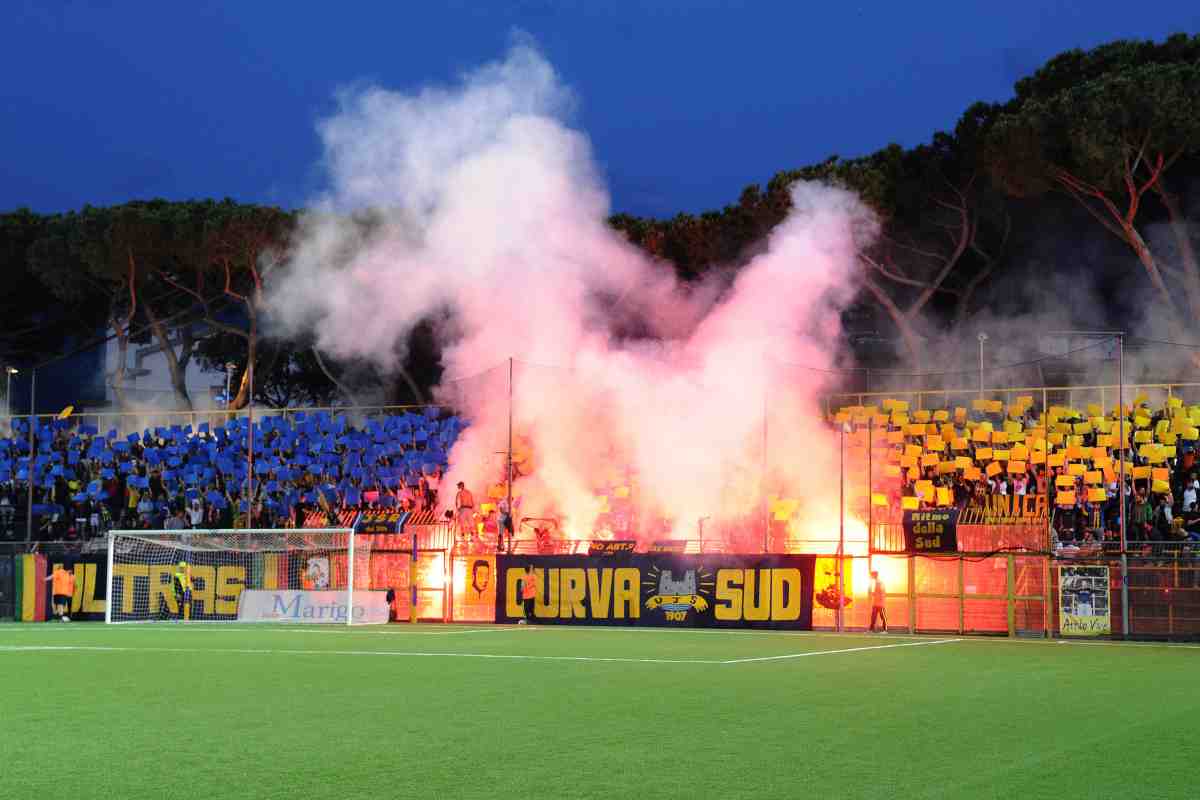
(166, 277)
(1135, 191)
(902, 322)
(204, 303)
(914, 249)
(989, 261)
(229, 284)
(898, 278)
(341, 387)
(963, 239)
(1082, 190)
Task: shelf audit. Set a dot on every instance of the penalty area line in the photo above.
(393, 653)
(835, 652)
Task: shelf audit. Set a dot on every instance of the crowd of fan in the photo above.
(960, 457)
(85, 483)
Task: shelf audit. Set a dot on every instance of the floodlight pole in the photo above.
(229, 368)
(1120, 337)
(512, 517)
(32, 451)
(8, 393)
(1121, 442)
(763, 479)
(842, 530)
(250, 443)
(870, 480)
(983, 337)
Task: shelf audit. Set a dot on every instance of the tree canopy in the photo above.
(1110, 132)
(1111, 128)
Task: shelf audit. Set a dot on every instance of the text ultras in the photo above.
(215, 590)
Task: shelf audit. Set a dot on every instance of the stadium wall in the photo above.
(1011, 593)
(8, 587)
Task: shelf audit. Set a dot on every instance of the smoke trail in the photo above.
(484, 201)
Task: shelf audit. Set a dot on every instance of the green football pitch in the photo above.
(229, 711)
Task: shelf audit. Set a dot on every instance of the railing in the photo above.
(126, 422)
(1175, 550)
(921, 399)
(1034, 537)
(1103, 394)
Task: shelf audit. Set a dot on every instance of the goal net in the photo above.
(287, 576)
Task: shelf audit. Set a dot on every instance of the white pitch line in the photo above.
(334, 629)
(394, 653)
(397, 630)
(835, 652)
(1175, 645)
(340, 630)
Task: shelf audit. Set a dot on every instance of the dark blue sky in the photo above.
(685, 102)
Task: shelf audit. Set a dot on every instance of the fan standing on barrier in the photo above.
(183, 590)
(464, 505)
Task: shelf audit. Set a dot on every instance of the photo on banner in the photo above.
(474, 581)
(1084, 607)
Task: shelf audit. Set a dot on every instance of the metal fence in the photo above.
(1003, 594)
(1104, 395)
(125, 422)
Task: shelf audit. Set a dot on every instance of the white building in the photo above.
(148, 378)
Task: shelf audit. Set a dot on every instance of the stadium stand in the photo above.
(85, 483)
(928, 458)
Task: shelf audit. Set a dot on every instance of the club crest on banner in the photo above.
(675, 595)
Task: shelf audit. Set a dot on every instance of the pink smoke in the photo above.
(491, 206)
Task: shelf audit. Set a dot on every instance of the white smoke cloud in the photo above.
(487, 203)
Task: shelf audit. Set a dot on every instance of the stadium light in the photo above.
(845, 428)
(983, 337)
(32, 452)
(8, 393)
(229, 368)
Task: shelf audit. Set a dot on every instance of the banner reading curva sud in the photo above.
(664, 589)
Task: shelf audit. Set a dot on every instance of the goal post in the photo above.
(301, 575)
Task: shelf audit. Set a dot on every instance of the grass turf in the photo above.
(227, 711)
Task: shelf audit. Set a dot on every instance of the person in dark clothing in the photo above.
(878, 600)
(528, 593)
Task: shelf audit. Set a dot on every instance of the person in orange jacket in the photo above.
(62, 589)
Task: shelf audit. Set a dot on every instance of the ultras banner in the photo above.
(931, 531)
(663, 589)
(91, 582)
